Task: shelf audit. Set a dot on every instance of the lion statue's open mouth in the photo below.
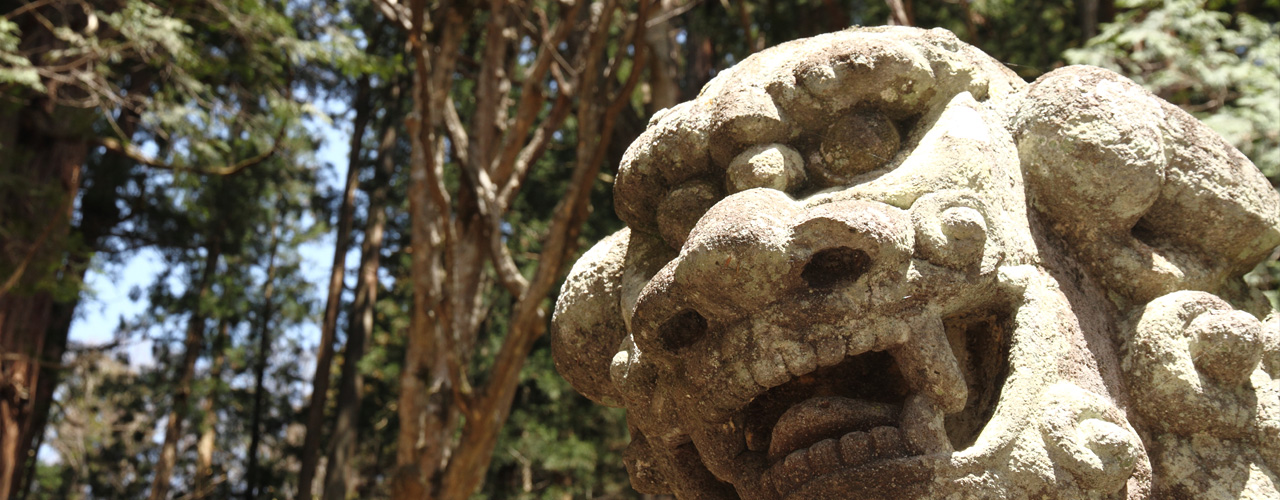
(876, 264)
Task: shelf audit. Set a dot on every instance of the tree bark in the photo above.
(340, 477)
(260, 365)
(51, 165)
(209, 432)
(182, 385)
(1088, 19)
(599, 104)
(96, 220)
(310, 454)
(452, 238)
(900, 13)
(663, 90)
(426, 386)
(434, 389)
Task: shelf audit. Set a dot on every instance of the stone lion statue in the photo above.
(877, 264)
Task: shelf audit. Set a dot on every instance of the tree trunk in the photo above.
(340, 477)
(96, 220)
(209, 432)
(182, 386)
(55, 344)
(426, 386)
(663, 90)
(324, 358)
(450, 239)
(21, 343)
(900, 13)
(1088, 19)
(33, 231)
(260, 365)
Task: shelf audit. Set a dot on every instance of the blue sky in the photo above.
(107, 301)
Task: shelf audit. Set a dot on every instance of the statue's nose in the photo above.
(758, 248)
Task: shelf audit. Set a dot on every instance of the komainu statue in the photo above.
(877, 264)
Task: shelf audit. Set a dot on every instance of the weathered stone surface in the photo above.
(876, 264)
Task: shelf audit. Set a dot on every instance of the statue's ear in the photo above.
(1150, 199)
(587, 326)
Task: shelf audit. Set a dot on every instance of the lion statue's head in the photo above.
(877, 264)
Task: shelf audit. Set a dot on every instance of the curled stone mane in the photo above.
(877, 264)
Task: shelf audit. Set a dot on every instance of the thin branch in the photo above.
(490, 114)
(744, 19)
(133, 153)
(537, 33)
(486, 203)
(31, 255)
(17, 356)
(676, 12)
(531, 99)
(23, 9)
(395, 12)
(565, 86)
(534, 149)
(899, 13)
(457, 133)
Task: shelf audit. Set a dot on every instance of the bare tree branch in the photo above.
(534, 149)
(133, 153)
(744, 20)
(457, 133)
(23, 9)
(899, 12)
(491, 212)
(396, 12)
(17, 273)
(673, 13)
(492, 86)
(531, 98)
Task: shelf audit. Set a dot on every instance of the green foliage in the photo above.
(212, 83)
(1222, 68)
(15, 68)
(557, 444)
(102, 433)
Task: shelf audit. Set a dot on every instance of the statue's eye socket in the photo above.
(682, 330)
(681, 209)
(835, 267)
(854, 144)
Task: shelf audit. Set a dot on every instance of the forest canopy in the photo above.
(355, 217)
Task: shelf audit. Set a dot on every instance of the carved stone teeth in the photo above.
(920, 429)
(801, 465)
(768, 369)
(930, 368)
(767, 487)
(794, 470)
(798, 356)
(744, 386)
(874, 335)
(825, 455)
(852, 450)
(887, 442)
(923, 426)
(856, 448)
(860, 343)
(829, 351)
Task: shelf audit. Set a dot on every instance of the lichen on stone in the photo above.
(877, 264)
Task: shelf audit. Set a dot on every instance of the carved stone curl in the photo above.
(876, 264)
